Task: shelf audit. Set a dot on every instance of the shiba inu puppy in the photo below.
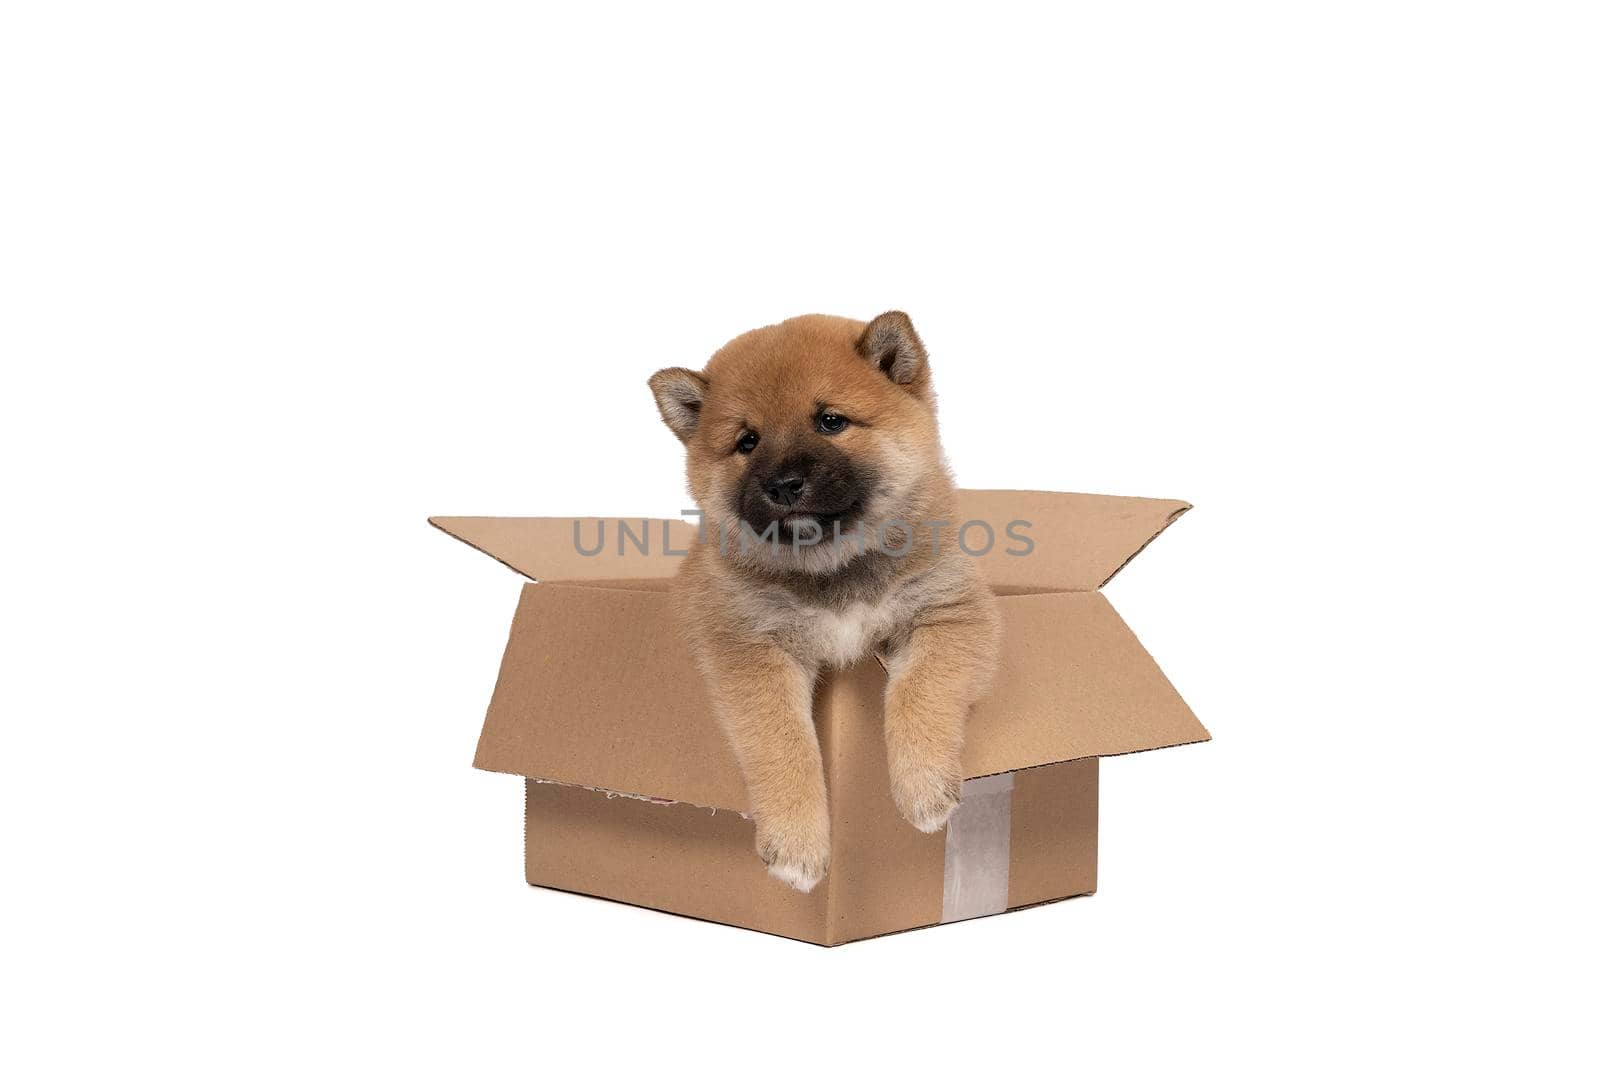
(827, 534)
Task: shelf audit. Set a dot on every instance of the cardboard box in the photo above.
(633, 795)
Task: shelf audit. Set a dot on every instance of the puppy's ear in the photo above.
(890, 343)
(679, 394)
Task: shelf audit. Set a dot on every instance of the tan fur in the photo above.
(764, 621)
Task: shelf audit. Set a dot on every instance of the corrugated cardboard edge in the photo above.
(909, 929)
(819, 943)
(616, 794)
(437, 522)
(530, 544)
(1174, 517)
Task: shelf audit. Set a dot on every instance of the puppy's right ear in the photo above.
(679, 394)
(891, 345)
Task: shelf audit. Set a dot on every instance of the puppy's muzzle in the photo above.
(810, 486)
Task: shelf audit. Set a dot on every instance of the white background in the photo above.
(280, 280)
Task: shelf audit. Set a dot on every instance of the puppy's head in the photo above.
(806, 437)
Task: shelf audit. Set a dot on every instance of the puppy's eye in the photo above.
(830, 422)
(747, 442)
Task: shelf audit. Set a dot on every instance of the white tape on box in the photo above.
(977, 849)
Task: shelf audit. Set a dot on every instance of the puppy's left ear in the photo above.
(679, 394)
(891, 345)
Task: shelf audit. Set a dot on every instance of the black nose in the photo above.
(785, 489)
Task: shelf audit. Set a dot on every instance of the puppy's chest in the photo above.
(839, 636)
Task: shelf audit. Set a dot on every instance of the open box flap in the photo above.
(1035, 541)
(597, 688)
(1074, 541)
(577, 549)
(1072, 681)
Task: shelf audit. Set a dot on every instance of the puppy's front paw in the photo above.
(926, 795)
(797, 856)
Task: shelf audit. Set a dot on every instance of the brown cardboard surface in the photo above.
(670, 857)
(1055, 819)
(885, 875)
